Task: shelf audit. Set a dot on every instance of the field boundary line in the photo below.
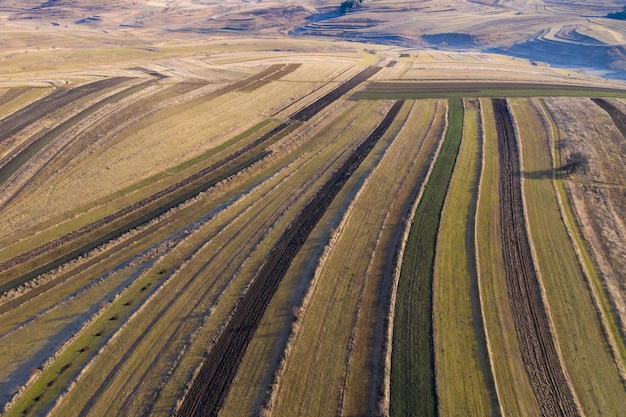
(535, 264)
(481, 295)
(586, 258)
(400, 247)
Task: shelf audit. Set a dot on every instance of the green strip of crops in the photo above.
(513, 92)
(412, 361)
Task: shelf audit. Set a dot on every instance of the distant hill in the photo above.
(564, 33)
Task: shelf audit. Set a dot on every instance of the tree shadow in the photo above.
(576, 163)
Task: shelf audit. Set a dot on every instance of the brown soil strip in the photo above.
(618, 117)
(532, 325)
(209, 389)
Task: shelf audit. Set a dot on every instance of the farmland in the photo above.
(285, 227)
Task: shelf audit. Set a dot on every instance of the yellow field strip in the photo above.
(405, 164)
(341, 307)
(220, 251)
(460, 374)
(584, 348)
(515, 394)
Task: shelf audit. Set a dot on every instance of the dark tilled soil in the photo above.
(210, 388)
(531, 322)
(618, 117)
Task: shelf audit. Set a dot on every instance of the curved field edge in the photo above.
(576, 327)
(515, 395)
(462, 370)
(412, 387)
(601, 298)
(538, 346)
(166, 268)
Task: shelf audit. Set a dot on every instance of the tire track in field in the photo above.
(209, 389)
(536, 342)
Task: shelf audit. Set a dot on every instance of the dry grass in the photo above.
(584, 350)
(460, 374)
(514, 391)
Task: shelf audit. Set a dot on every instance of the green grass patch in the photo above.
(412, 361)
(461, 357)
(381, 90)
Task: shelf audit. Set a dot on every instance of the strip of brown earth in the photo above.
(618, 117)
(210, 387)
(537, 346)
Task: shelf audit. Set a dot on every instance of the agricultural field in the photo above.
(297, 227)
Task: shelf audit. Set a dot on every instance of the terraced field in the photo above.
(274, 233)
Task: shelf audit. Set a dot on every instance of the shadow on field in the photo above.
(576, 163)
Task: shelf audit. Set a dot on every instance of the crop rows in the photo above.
(340, 257)
(412, 362)
(205, 278)
(180, 190)
(536, 342)
(210, 386)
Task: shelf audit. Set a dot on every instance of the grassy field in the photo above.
(463, 375)
(412, 362)
(152, 204)
(576, 323)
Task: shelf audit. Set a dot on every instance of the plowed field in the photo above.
(539, 354)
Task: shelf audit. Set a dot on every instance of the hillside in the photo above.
(570, 34)
(273, 209)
